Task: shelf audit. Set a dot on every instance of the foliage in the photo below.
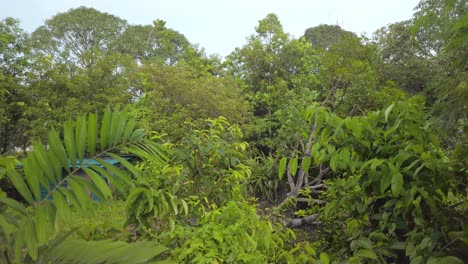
(324, 36)
(14, 99)
(36, 223)
(213, 161)
(233, 233)
(176, 97)
(367, 184)
(390, 183)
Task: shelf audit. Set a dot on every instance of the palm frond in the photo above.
(49, 182)
(104, 251)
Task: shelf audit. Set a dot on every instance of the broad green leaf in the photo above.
(41, 222)
(44, 160)
(184, 204)
(305, 165)
(31, 239)
(61, 206)
(69, 140)
(105, 130)
(128, 166)
(80, 139)
(19, 245)
(385, 182)
(324, 258)
(293, 166)
(99, 182)
(56, 146)
(363, 242)
(70, 196)
(115, 171)
(20, 185)
(366, 253)
(387, 111)
(17, 206)
(282, 167)
(31, 173)
(92, 133)
(92, 188)
(80, 192)
(397, 180)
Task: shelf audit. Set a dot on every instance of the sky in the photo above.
(219, 26)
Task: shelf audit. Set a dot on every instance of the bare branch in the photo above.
(293, 223)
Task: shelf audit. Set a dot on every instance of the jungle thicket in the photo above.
(328, 148)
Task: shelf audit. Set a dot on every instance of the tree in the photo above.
(175, 97)
(440, 28)
(402, 60)
(324, 36)
(14, 97)
(275, 71)
(79, 36)
(154, 43)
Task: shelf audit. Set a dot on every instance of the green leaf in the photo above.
(366, 253)
(282, 167)
(80, 139)
(305, 165)
(80, 192)
(69, 139)
(31, 173)
(184, 204)
(387, 111)
(363, 242)
(449, 259)
(99, 182)
(104, 251)
(293, 166)
(105, 130)
(20, 185)
(397, 180)
(19, 244)
(31, 239)
(57, 148)
(17, 206)
(324, 258)
(92, 133)
(61, 206)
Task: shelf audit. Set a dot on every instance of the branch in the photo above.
(293, 223)
(310, 200)
(322, 172)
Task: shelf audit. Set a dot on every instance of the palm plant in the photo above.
(28, 229)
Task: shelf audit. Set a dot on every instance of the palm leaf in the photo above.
(105, 251)
(50, 192)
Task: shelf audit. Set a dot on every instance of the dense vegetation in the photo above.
(330, 148)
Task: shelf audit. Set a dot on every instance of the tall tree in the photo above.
(79, 36)
(402, 59)
(441, 29)
(323, 36)
(275, 70)
(154, 43)
(14, 97)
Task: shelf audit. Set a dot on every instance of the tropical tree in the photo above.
(324, 36)
(14, 97)
(79, 36)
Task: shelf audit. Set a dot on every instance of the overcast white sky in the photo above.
(219, 26)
